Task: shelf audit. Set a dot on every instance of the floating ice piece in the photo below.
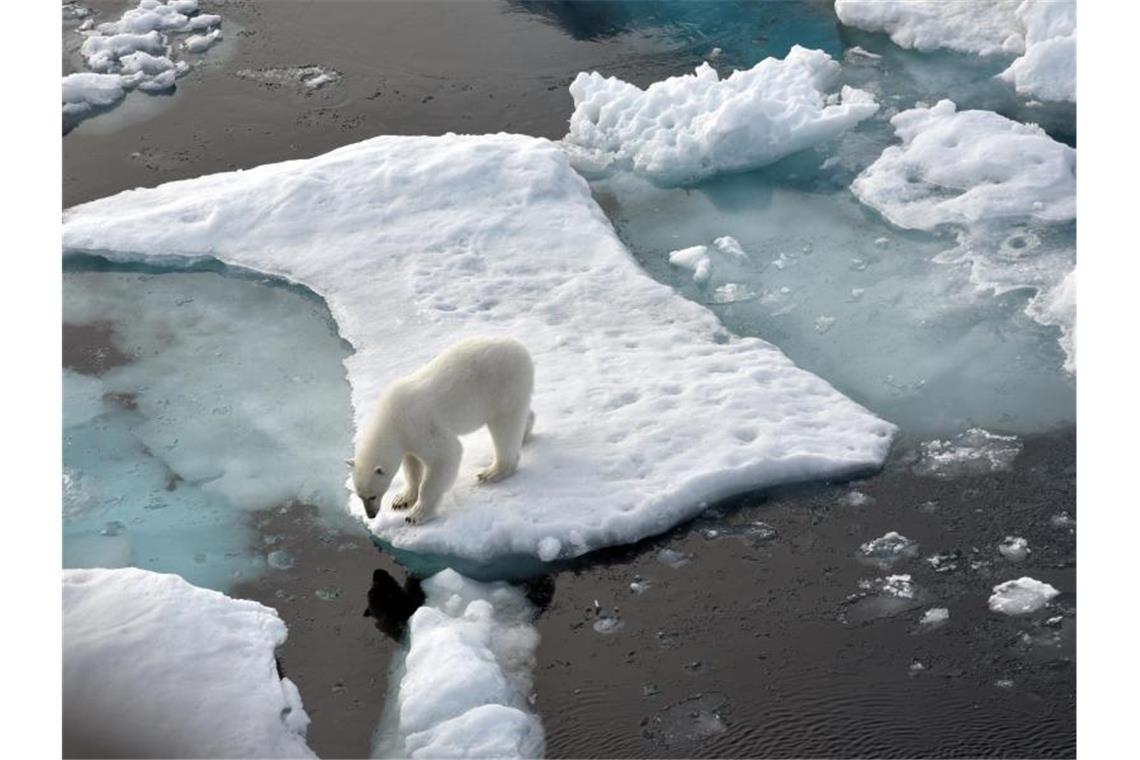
(984, 27)
(1021, 596)
(935, 616)
(888, 549)
(1014, 548)
(155, 667)
(468, 674)
(608, 622)
(962, 167)
(673, 558)
(640, 585)
(1048, 69)
(755, 532)
(898, 586)
(855, 498)
(696, 260)
(1059, 307)
(200, 43)
(881, 598)
(645, 409)
(731, 292)
(687, 127)
(974, 452)
(304, 77)
(731, 247)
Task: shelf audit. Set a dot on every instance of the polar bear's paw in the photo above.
(403, 501)
(493, 473)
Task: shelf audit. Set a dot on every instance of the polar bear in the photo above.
(419, 418)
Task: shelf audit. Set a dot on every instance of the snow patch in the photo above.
(417, 242)
(156, 667)
(684, 128)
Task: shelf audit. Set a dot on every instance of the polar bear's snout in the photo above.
(371, 506)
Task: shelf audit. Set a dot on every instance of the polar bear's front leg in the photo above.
(440, 470)
(413, 476)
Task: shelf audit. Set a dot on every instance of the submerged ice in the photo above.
(186, 407)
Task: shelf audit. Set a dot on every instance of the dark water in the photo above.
(753, 647)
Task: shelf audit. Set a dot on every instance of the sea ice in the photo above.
(156, 667)
(985, 27)
(935, 616)
(467, 677)
(974, 452)
(1021, 596)
(1048, 69)
(888, 549)
(646, 408)
(305, 78)
(1014, 548)
(684, 128)
(696, 260)
(84, 92)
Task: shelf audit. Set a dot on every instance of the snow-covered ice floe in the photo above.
(1042, 32)
(466, 683)
(647, 410)
(1007, 188)
(135, 52)
(684, 128)
(156, 667)
(1021, 596)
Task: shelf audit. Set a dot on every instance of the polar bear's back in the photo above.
(475, 380)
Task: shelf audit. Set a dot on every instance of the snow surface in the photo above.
(467, 681)
(1021, 596)
(156, 667)
(984, 27)
(646, 409)
(1009, 191)
(684, 128)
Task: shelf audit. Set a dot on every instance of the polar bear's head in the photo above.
(371, 482)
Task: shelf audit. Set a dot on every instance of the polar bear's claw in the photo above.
(402, 502)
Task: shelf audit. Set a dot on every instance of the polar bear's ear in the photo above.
(379, 470)
(350, 462)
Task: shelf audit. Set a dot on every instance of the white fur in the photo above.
(419, 418)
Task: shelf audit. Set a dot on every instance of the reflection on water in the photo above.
(187, 405)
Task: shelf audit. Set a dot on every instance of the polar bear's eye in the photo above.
(379, 470)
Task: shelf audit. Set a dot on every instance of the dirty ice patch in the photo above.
(1006, 189)
(646, 408)
(467, 683)
(685, 128)
(984, 27)
(156, 667)
(1021, 596)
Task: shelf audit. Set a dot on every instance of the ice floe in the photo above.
(1014, 548)
(974, 452)
(1006, 188)
(135, 52)
(156, 667)
(646, 409)
(888, 549)
(1048, 69)
(984, 27)
(1021, 596)
(467, 679)
(684, 128)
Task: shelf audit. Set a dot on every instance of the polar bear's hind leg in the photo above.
(413, 476)
(508, 431)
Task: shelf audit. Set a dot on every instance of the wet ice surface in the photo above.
(188, 408)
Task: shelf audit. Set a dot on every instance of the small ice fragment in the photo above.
(1014, 548)
(1062, 520)
(974, 452)
(785, 290)
(695, 259)
(1004, 683)
(113, 528)
(945, 562)
(935, 616)
(327, 594)
(731, 247)
(673, 558)
(732, 292)
(916, 667)
(898, 586)
(855, 498)
(280, 559)
(549, 548)
(714, 54)
(882, 242)
(1021, 596)
(607, 623)
(640, 585)
(889, 548)
(857, 293)
(858, 264)
(823, 323)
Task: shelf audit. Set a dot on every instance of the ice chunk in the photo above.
(1048, 69)
(468, 675)
(156, 667)
(684, 128)
(731, 247)
(673, 558)
(304, 78)
(974, 452)
(696, 260)
(1021, 596)
(1014, 548)
(985, 27)
(935, 616)
(84, 92)
(888, 549)
(962, 167)
(497, 234)
(1059, 307)
(200, 43)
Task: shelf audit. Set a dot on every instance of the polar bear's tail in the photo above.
(529, 426)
